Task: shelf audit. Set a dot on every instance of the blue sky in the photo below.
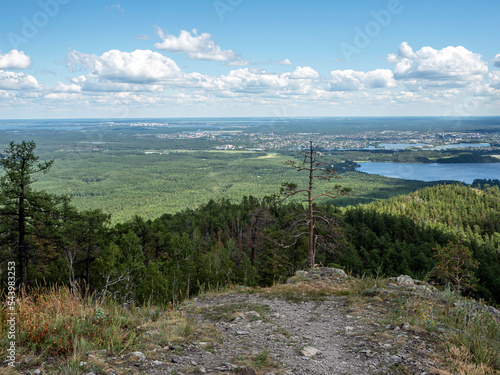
(76, 58)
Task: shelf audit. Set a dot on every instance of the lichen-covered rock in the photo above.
(405, 280)
(139, 356)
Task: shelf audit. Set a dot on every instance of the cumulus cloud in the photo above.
(93, 83)
(495, 79)
(17, 81)
(139, 66)
(450, 66)
(351, 80)
(198, 47)
(4, 94)
(14, 60)
(258, 82)
(305, 72)
(71, 88)
(284, 62)
(496, 60)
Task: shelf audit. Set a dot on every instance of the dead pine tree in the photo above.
(316, 171)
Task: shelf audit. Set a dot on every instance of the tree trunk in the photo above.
(21, 236)
(310, 201)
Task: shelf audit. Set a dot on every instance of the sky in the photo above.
(240, 58)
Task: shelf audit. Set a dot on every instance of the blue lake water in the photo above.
(465, 172)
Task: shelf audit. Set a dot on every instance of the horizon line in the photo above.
(245, 117)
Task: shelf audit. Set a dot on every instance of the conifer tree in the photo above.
(22, 209)
(316, 171)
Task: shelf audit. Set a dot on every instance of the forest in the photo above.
(254, 241)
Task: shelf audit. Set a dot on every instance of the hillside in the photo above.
(398, 235)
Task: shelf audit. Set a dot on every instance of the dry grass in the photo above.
(305, 291)
(8, 371)
(461, 362)
(57, 323)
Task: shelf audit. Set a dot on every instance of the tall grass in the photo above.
(59, 322)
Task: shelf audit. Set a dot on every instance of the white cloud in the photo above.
(14, 60)
(252, 80)
(4, 94)
(72, 88)
(92, 82)
(139, 66)
(450, 66)
(238, 63)
(351, 80)
(496, 60)
(63, 96)
(198, 47)
(305, 72)
(258, 82)
(17, 81)
(284, 62)
(495, 79)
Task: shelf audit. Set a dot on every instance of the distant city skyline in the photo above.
(227, 58)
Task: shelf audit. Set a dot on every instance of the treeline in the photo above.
(402, 231)
(483, 182)
(417, 156)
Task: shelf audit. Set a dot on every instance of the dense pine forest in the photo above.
(251, 242)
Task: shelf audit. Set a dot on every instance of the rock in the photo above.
(139, 356)
(405, 280)
(175, 359)
(493, 311)
(405, 326)
(38, 372)
(301, 273)
(90, 373)
(242, 333)
(230, 366)
(156, 363)
(329, 271)
(309, 351)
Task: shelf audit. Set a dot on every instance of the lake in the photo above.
(465, 172)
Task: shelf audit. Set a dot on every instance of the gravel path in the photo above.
(314, 337)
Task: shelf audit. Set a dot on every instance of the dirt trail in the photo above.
(344, 343)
